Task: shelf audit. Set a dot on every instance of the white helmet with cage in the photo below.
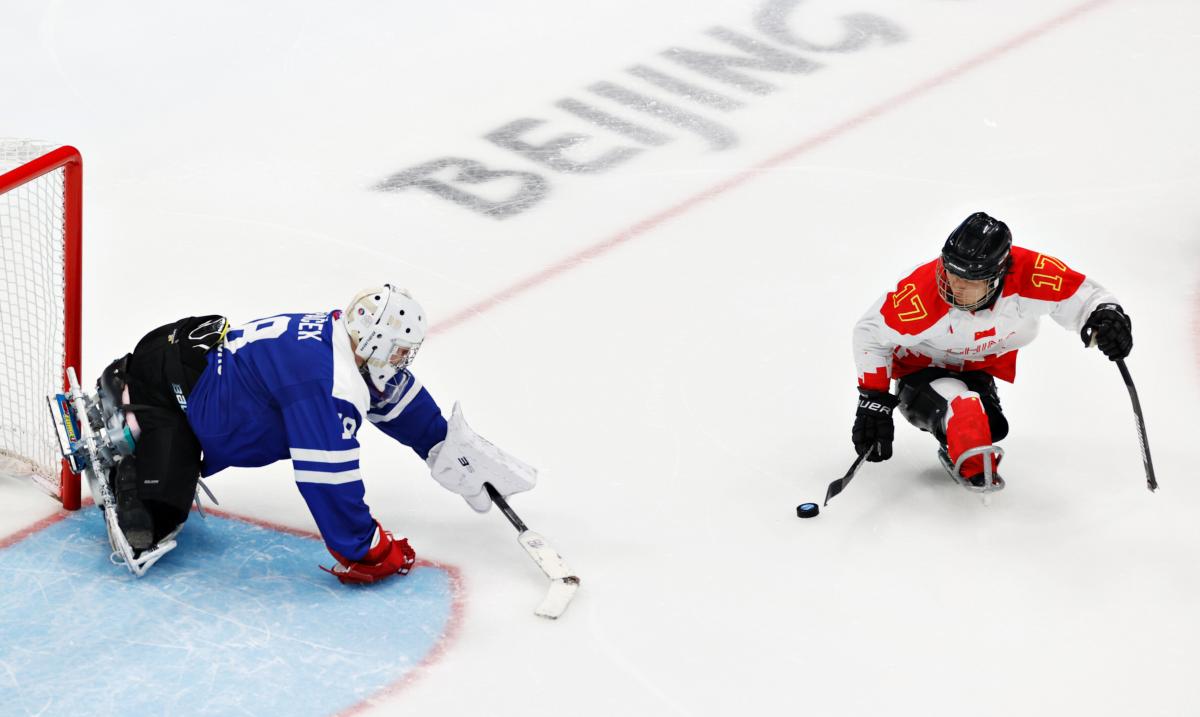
(387, 326)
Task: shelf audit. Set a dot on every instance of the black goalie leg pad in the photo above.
(133, 517)
(160, 374)
(168, 361)
(168, 456)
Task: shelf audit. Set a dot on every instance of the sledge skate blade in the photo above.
(992, 482)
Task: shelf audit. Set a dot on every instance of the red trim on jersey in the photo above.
(1003, 367)
(877, 381)
(905, 362)
(1040, 276)
(915, 305)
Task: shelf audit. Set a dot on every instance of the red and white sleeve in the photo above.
(1067, 295)
(874, 344)
(902, 317)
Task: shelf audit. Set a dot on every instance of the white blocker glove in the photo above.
(465, 461)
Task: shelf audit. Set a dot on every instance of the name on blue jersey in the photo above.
(310, 326)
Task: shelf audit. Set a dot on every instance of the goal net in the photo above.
(39, 305)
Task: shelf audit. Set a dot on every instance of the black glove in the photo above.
(873, 427)
(1111, 329)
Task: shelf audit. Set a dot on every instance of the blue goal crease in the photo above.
(236, 620)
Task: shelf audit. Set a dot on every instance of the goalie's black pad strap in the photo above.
(168, 361)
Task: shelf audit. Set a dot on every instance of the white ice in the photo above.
(684, 389)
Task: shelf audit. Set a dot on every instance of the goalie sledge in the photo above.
(96, 439)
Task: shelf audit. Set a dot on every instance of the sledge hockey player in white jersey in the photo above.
(196, 397)
(952, 327)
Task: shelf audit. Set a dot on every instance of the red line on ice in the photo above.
(14, 538)
(606, 245)
(642, 227)
(457, 610)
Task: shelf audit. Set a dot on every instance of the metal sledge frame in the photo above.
(992, 481)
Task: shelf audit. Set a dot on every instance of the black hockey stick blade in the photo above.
(840, 484)
(1140, 421)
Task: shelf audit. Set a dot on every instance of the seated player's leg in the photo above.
(112, 394)
(146, 526)
(985, 385)
(167, 470)
(943, 404)
(966, 428)
(924, 407)
(168, 452)
(153, 481)
(132, 516)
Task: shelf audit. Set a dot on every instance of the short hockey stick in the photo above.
(840, 484)
(1140, 421)
(563, 582)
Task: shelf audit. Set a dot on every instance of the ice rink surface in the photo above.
(657, 314)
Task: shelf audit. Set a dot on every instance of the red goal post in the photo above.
(41, 198)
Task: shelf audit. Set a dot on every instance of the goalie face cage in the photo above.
(40, 238)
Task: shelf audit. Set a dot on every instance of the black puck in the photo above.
(808, 510)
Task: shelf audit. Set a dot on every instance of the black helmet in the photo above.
(979, 249)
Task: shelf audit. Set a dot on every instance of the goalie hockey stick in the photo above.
(1140, 421)
(563, 582)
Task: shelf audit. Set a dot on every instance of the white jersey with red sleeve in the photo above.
(913, 327)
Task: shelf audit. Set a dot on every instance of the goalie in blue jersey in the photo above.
(197, 396)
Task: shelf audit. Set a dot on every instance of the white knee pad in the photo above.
(950, 389)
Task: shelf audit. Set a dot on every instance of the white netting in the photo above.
(32, 315)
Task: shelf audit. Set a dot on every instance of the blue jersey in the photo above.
(287, 386)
